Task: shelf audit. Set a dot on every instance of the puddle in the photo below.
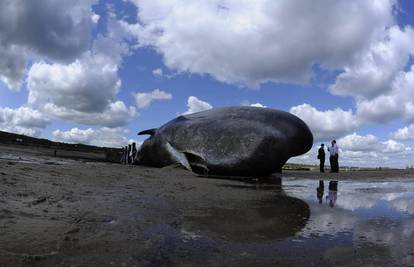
(372, 218)
(278, 217)
(345, 222)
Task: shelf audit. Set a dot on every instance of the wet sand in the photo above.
(63, 212)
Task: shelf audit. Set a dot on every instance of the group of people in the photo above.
(333, 157)
(129, 154)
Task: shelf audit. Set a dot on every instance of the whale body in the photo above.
(230, 141)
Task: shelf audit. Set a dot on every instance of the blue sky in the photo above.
(97, 72)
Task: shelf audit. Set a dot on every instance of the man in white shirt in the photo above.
(334, 155)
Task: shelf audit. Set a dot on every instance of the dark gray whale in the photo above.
(233, 141)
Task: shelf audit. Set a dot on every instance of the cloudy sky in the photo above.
(97, 72)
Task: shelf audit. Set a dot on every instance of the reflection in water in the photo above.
(372, 223)
(371, 220)
(333, 193)
(319, 191)
(279, 217)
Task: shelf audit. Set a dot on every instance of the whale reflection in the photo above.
(276, 217)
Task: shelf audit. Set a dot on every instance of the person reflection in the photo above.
(319, 191)
(333, 193)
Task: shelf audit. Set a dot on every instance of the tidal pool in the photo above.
(371, 220)
(309, 222)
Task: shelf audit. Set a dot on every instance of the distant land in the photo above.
(62, 149)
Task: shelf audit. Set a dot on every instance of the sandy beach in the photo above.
(66, 212)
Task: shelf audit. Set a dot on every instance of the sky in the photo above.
(98, 72)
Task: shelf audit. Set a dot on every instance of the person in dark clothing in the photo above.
(129, 159)
(134, 152)
(321, 157)
(122, 161)
(126, 155)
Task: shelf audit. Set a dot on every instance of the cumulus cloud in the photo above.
(86, 85)
(74, 135)
(50, 29)
(116, 114)
(144, 100)
(397, 103)
(355, 142)
(196, 105)
(405, 133)
(104, 137)
(374, 72)
(392, 146)
(273, 44)
(329, 124)
(22, 120)
(85, 90)
(379, 81)
(358, 143)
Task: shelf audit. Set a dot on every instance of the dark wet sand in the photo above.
(74, 213)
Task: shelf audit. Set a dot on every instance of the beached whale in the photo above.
(234, 141)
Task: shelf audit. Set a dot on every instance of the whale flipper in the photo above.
(196, 162)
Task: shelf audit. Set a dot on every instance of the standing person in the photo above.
(321, 157)
(123, 156)
(126, 155)
(333, 158)
(129, 154)
(133, 153)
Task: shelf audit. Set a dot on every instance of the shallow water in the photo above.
(375, 217)
(361, 223)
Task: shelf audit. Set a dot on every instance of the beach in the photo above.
(66, 212)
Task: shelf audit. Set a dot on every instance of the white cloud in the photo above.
(380, 109)
(47, 29)
(258, 105)
(116, 114)
(374, 72)
(406, 133)
(87, 85)
(196, 105)
(392, 146)
(104, 137)
(397, 103)
(273, 45)
(144, 100)
(370, 143)
(95, 18)
(355, 142)
(22, 120)
(74, 135)
(378, 81)
(329, 124)
(85, 90)
(157, 72)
